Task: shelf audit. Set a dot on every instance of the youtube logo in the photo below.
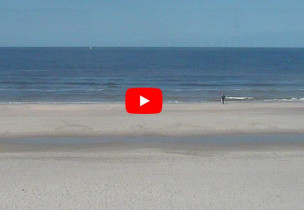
(144, 100)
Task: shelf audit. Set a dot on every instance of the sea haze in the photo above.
(80, 75)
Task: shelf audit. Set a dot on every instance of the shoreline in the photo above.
(266, 101)
(176, 120)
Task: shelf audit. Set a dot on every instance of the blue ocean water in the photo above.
(184, 74)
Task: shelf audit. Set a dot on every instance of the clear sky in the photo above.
(192, 23)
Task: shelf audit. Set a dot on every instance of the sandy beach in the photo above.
(151, 175)
(38, 120)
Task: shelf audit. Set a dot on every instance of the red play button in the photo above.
(144, 100)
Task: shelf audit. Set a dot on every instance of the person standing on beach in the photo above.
(223, 98)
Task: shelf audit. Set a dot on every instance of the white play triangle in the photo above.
(143, 100)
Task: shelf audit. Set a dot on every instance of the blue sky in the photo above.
(175, 23)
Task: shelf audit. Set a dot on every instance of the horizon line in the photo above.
(140, 47)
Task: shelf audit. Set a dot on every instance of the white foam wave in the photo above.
(286, 100)
(50, 90)
(239, 98)
(172, 102)
(74, 89)
(59, 102)
(195, 89)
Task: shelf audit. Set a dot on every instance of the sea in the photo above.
(185, 75)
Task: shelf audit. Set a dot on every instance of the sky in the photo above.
(152, 23)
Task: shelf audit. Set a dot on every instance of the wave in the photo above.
(195, 89)
(50, 90)
(172, 102)
(239, 98)
(286, 100)
(59, 102)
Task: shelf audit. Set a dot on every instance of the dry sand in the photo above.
(153, 176)
(34, 120)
